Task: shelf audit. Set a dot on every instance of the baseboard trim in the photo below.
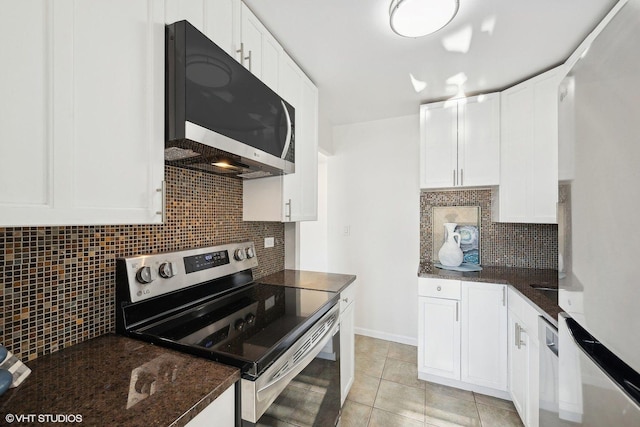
(402, 339)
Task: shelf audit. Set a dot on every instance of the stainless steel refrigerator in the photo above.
(599, 229)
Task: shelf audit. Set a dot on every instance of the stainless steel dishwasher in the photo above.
(549, 389)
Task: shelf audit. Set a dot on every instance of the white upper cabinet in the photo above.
(528, 190)
(215, 18)
(259, 51)
(479, 141)
(438, 145)
(292, 197)
(26, 134)
(460, 142)
(86, 109)
(301, 188)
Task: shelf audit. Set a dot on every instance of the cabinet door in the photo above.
(293, 197)
(347, 351)
(110, 112)
(484, 335)
(270, 61)
(251, 36)
(515, 153)
(261, 51)
(438, 145)
(26, 95)
(439, 337)
(301, 188)
(96, 99)
(528, 190)
(219, 413)
(219, 22)
(544, 187)
(214, 18)
(519, 365)
(479, 141)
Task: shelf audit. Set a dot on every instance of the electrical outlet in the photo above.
(269, 242)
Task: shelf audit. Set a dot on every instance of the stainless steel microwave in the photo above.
(220, 118)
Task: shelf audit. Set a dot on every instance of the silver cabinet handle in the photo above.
(454, 177)
(461, 176)
(439, 288)
(518, 337)
(249, 59)
(345, 300)
(457, 311)
(288, 214)
(241, 52)
(504, 296)
(163, 212)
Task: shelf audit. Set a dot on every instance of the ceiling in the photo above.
(363, 70)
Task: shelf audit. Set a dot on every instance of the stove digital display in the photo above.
(205, 261)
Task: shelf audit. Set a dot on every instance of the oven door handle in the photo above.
(300, 364)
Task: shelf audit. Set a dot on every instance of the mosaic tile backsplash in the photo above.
(501, 244)
(58, 283)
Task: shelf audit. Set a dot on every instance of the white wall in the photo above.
(373, 191)
(313, 234)
(325, 134)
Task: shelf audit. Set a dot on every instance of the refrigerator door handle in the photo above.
(619, 372)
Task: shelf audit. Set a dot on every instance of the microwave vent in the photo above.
(177, 153)
(256, 174)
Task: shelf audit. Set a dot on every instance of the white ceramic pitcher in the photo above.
(450, 254)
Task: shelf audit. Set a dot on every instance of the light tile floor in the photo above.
(387, 393)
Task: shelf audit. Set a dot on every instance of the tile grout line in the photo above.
(475, 403)
(377, 391)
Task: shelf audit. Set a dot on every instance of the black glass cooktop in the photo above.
(248, 328)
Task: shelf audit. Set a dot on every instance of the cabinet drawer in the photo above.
(439, 288)
(347, 296)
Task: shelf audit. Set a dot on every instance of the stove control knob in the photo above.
(240, 255)
(144, 275)
(250, 252)
(250, 319)
(239, 325)
(166, 270)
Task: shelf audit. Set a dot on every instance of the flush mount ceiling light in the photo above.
(416, 18)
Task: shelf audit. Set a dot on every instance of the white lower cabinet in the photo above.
(220, 413)
(439, 339)
(462, 334)
(523, 358)
(347, 341)
(484, 335)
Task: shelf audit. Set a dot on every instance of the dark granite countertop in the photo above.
(313, 280)
(518, 278)
(97, 380)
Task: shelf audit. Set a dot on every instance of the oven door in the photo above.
(302, 387)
